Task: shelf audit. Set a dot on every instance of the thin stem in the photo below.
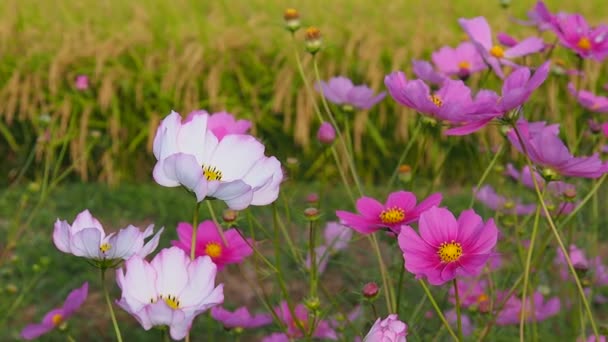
(400, 287)
(486, 172)
(217, 223)
(313, 259)
(437, 309)
(522, 316)
(70, 338)
(109, 302)
(194, 231)
(404, 154)
(458, 315)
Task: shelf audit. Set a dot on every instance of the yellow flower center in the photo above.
(105, 247)
(497, 51)
(211, 173)
(392, 215)
(213, 249)
(584, 43)
(436, 100)
(464, 65)
(57, 319)
(449, 251)
(483, 298)
(171, 301)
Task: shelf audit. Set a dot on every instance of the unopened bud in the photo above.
(311, 213)
(312, 304)
(229, 215)
(292, 19)
(549, 174)
(569, 193)
(370, 290)
(326, 133)
(312, 198)
(405, 173)
(313, 40)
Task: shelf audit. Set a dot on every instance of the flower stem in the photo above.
(313, 259)
(194, 231)
(109, 302)
(458, 315)
(400, 287)
(486, 172)
(404, 154)
(437, 309)
(522, 316)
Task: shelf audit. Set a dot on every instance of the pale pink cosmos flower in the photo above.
(555, 188)
(390, 329)
(590, 101)
(299, 320)
(233, 169)
(209, 242)
(341, 91)
(577, 257)
(425, 71)
(488, 196)
(56, 317)
(480, 34)
(452, 318)
(337, 237)
(461, 61)
(400, 208)
(545, 148)
(326, 133)
(540, 17)
(82, 82)
(171, 290)
(593, 339)
(86, 238)
(576, 34)
(276, 337)
(240, 318)
(222, 123)
(536, 309)
(447, 248)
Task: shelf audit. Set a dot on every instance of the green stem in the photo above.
(486, 172)
(522, 316)
(313, 259)
(437, 309)
(400, 287)
(110, 308)
(404, 154)
(194, 231)
(458, 315)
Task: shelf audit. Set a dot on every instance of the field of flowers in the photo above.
(269, 171)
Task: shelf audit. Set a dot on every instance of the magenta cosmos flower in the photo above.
(461, 61)
(57, 316)
(171, 290)
(480, 34)
(400, 208)
(82, 82)
(540, 17)
(388, 329)
(496, 202)
(447, 248)
(577, 257)
(326, 133)
(472, 292)
(222, 123)
(276, 337)
(299, 320)
(449, 103)
(545, 148)
(575, 33)
(241, 318)
(209, 242)
(536, 309)
(341, 91)
(587, 99)
(86, 238)
(233, 169)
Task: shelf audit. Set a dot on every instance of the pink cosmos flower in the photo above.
(590, 101)
(575, 33)
(540, 17)
(326, 133)
(240, 318)
(337, 237)
(461, 61)
(473, 292)
(545, 148)
(556, 188)
(233, 169)
(341, 91)
(593, 339)
(577, 257)
(400, 208)
(452, 318)
(506, 39)
(222, 123)
(171, 290)
(82, 82)
(480, 34)
(536, 309)
(425, 71)
(447, 248)
(496, 202)
(516, 90)
(276, 337)
(209, 242)
(321, 257)
(449, 103)
(57, 316)
(86, 238)
(388, 329)
(322, 330)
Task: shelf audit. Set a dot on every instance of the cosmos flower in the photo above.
(337, 237)
(234, 169)
(240, 318)
(577, 257)
(300, 320)
(545, 148)
(222, 123)
(86, 238)
(425, 71)
(488, 196)
(480, 34)
(452, 318)
(590, 101)
(388, 329)
(537, 309)
(400, 208)
(56, 317)
(540, 17)
(82, 82)
(575, 34)
(209, 242)
(171, 290)
(326, 133)
(472, 292)
(276, 337)
(341, 91)
(447, 248)
(461, 61)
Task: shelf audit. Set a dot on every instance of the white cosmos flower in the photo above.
(86, 238)
(233, 169)
(171, 290)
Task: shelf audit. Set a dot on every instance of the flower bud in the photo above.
(569, 193)
(311, 213)
(370, 290)
(405, 173)
(229, 215)
(312, 198)
(313, 40)
(326, 133)
(292, 20)
(312, 304)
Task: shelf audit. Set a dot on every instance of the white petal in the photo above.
(166, 136)
(137, 283)
(151, 245)
(185, 169)
(161, 177)
(235, 155)
(236, 194)
(86, 243)
(265, 191)
(170, 265)
(215, 298)
(191, 137)
(86, 220)
(201, 273)
(61, 236)
(126, 243)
